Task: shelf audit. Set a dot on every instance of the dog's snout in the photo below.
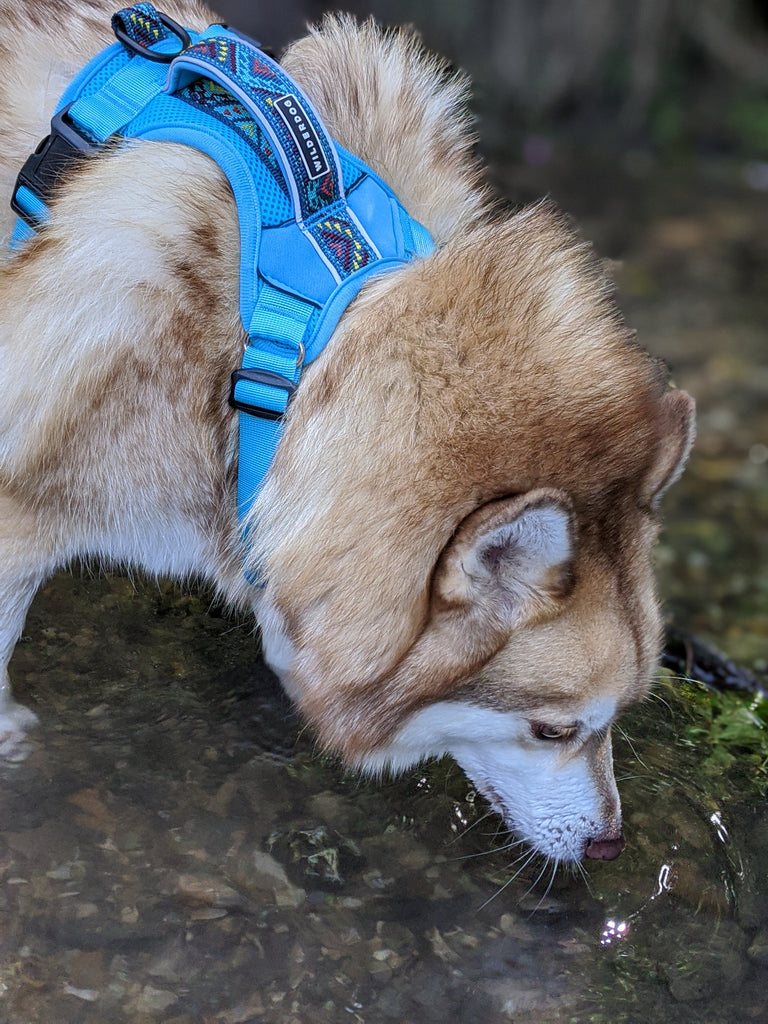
(605, 849)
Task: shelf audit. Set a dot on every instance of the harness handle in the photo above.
(140, 26)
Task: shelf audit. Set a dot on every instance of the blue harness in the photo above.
(315, 221)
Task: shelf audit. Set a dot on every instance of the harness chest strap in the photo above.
(315, 221)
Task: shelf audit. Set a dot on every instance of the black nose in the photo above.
(604, 849)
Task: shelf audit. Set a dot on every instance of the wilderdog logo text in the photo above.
(303, 134)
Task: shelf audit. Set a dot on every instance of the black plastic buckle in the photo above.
(275, 380)
(46, 167)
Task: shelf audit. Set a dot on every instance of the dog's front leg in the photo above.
(25, 561)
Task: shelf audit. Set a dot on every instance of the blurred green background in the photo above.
(664, 73)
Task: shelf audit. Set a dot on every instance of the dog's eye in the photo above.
(542, 731)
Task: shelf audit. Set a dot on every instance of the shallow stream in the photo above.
(173, 850)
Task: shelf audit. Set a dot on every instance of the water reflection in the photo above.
(720, 829)
(613, 931)
(664, 881)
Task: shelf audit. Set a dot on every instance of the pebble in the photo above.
(209, 890)
(154, 1000)
(758, 950)
(87, 994)
(260, 875)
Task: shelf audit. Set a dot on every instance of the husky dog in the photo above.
(455, 536)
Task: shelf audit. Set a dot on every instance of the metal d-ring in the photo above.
(301, 353)
(161, 58)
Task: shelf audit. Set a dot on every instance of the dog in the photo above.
(454, 541)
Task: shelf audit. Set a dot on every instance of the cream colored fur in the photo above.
(455, 535)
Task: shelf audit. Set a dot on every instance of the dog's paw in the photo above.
(15, 724)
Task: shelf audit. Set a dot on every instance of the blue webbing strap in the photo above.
(315, 221)
(278, 321)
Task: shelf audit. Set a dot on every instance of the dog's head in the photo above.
(459, 524)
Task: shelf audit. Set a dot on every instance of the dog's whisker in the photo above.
(625, 736)
(235, 627)
(676, 677)
(484, 817)
(550, 883)
(493, 850)
(661, 700)
(526, 856)
(585, 876)
(533, 885)
(555, 866)
(529, 856)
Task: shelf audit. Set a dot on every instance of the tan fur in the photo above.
(483, 407)
(498, 366)
(402, 110)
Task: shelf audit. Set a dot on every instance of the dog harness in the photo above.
(315, 221)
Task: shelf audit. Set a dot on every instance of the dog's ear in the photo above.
(509, 564)
(511, 559)
(679, 428)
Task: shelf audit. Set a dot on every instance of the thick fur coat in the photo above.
(455, 535)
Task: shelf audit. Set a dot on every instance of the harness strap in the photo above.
(315, 222)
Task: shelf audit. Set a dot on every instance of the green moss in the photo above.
(726, 728)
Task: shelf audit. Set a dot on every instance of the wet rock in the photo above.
(86, 994)
(692, 883)
(65, 1008)
(706, 961)
(441, 948)
(396, 936)
(517, 928)
(104, 932)
(338, 936)
(93, 813)
(221, 801)
(758, 950)
(391, 1004)
(87, 970)
(154, 1001)
(209, 891)
(433, 993)
(85, 910)
(532, 903)
(207, 914)
(318, 856)
(515, 996)
(263, 878)
(169, 963)
(398, 847)
(243, 1013)
(50, 837)
(333, 809)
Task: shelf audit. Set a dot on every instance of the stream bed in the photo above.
(174, 850)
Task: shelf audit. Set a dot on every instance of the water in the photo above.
(174, 850)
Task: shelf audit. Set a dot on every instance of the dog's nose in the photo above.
(605, 849)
